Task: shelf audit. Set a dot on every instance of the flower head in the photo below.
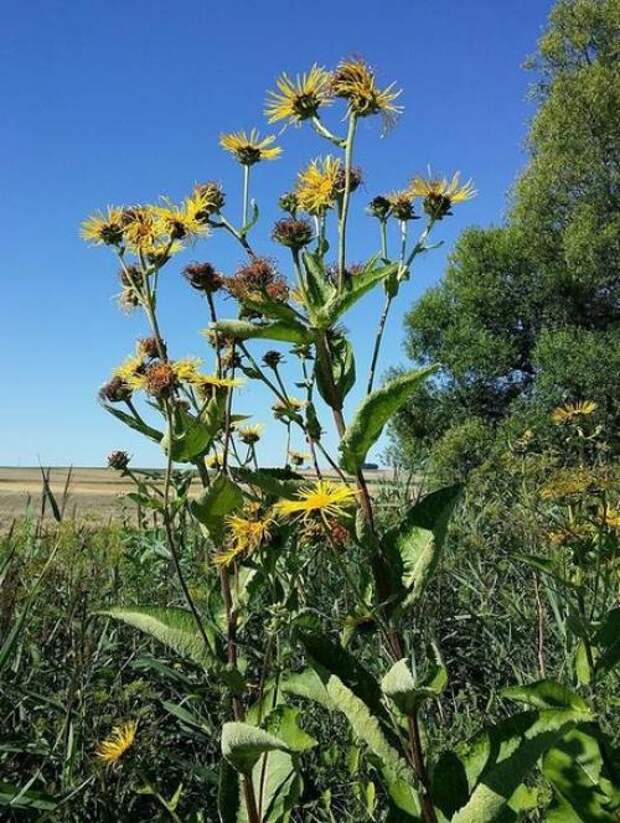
(258, 280)
(401, 205)
(203, 277)
(250, 148)
(250, 434)
(379, 207)
(318, 185)
(573, 411)
(355, 81)
(243, 535)
(440, 194)
(298, 458)
(133, 372)
(293, 232)
(207, 199)
(324, 496)
(161, 379)
(180, 222)
(300, 98)
(120, 741)
(118, 460)
(116, 390)
(187, 370)
(287, 409)
(104, 228)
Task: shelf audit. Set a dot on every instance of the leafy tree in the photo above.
(527, 314)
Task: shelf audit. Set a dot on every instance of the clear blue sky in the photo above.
(111, 102)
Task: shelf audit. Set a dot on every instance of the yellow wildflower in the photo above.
(440, 195)
(300, 98)
(610, 518)
(324, 496)
(250, 148)
(142, 228)
(220, 382)
(214, 461)
(103, 228)
(317, 185)
(355, 81)
(573, 411)
(133, 372)
(245, 535)
(298, 458)
(187, 370)
(569, 483)
(180, 222)
(250, 434)
(120, 741)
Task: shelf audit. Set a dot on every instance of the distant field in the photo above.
(93, 493)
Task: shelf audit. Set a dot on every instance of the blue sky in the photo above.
(123, 101)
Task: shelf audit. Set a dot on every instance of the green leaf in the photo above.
(373, 413)
(309, 685)
(137, 425)
(608, 638)
(172, 626)
(492, 766)
(356, 288)
(273, 309)
(228, 793)
(15, 797)
(242, 745)
(319, 289)
(413, 548)
(283, 722)
(546, 694)
(574, 767)
(582, 664)
(190, 437)
(400, 686)
(219, 500)
(276, 482)
(342, 365)
(286, 331)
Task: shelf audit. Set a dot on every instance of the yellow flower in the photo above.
(133, 372)
(317, 185)
(220, 382)
(300, 98)
(143, 229)
(573, 411)
(214, 461)
(187, 370)
(440, 194)
(180, 222)
(250, 434)
(569, 483)
(249, 148)
(114, 747)
(245, 536)
(610, 518)
(354, 80)
(285, 409)
(298, 458)
(324, 496)
(103, 229)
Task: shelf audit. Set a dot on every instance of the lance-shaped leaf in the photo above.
(133, 423)
(287, 331)
(277, 482)
(546, 694)
(219, 500)
(242, 745)
(357, 286)
(354, 692)
(318, 287)
(174, 627)
(475, 783)
(374, 412)
(608, 639)
(228, 793)
(399, 685)
(341, 368)
(414, 547)
(273, 309)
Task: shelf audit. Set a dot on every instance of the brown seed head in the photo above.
(203, 277)
(161, 380)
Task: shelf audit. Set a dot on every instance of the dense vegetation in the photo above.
(253, 645)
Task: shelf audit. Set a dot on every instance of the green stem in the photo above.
(344, 209)
(246, 195)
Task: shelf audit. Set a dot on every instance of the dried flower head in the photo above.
(293, 233)
(207, 199)
(104, 228)
(258, 280)
(440, 195)
(161, 380)
(379, 207)
(272, 358)
(115, 390)
(248, 149)
(118, 460)
(317, 185)
(355, 179)
(148, 347)
(203, 277)
(354, 80)
(300, 98)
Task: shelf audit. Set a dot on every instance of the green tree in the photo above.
(527, 313)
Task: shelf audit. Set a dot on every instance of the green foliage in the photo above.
(218, 501)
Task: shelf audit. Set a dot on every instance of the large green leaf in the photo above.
(342, 368)
(288, 331)
(228, 793)
(219, 500)
(318, 287)
(546, 694)
(242, 745)
(356, 287)
(475, 783)
(399, 685)
(374, 412)
(309, 685)
(172, 626)
(189, 437)
(574, 767)
(413, 548)
(17, 798)
(354, 692)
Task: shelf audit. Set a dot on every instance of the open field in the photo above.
(94, 493)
